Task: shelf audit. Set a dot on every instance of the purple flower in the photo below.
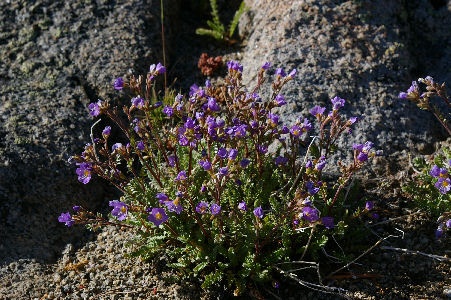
(183, 140)
(168, 111)
(328, 222)
(94, 108)
(244, 163)
(311, 189)
(162, 197)
(205, 164)
(337, 102)
(212, 104)
(136, 123)
(138, 102)
(242, 205)
(196, 92)
(266, 65)
(263, 149)
(240, 131)
(233, 153)
(157, 216)
(280, 72)
(223, 171)
(174, 206)
(317, 110)
(310, 214)
(306, 125)
(84, 172)
(215, 209)
(159, 68)
(118, 83)
(296, 131)
(438, 172)
(448, 223)
(120, 209)
(106, 132)
(76, 208)
(362, 156)
(116, 147)
(292, 73)
(140, 146)
(202, 207)
(273, 120)
(369, 205)
(222, 153)
(258, 212)
(234, 65)
(172, 159)
(66, 218)
(189, 123)
(280, 100)
(402, 95)
(181, 176)
(439, 232)
(363, 150)
(309, 164)
(443, 185)
(284, 129)
(280, 160)
(413, 88)
(321, 163)
(352, 120)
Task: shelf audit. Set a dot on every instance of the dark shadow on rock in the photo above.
(60, 57)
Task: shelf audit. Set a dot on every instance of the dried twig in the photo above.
(407, 251)
(361, 255)
(397, 218)
(316, 287)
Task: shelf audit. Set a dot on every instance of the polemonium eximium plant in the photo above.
(200, 185)
(431, 184)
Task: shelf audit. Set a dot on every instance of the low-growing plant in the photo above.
(201, 185)
(431, 181)
(217, 29)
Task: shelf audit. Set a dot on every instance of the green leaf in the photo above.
(200, 267)
(236, 18)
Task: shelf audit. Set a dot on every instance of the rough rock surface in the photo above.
(57, 56)
(363, 51)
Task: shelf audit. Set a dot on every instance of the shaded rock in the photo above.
(57, 57)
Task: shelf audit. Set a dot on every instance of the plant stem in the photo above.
(163, 42)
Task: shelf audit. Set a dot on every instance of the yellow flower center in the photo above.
(158, 216)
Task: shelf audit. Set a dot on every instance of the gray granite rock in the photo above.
(363, 51)
(56, 57)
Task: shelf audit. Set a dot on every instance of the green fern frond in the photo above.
(216, 35)
(236, 18)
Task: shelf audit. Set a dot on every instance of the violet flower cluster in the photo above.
(218, 167)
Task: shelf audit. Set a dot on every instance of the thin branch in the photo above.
(313, 286)
(413, 252)
(362, 255)
(92, 138)
(394, 219)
